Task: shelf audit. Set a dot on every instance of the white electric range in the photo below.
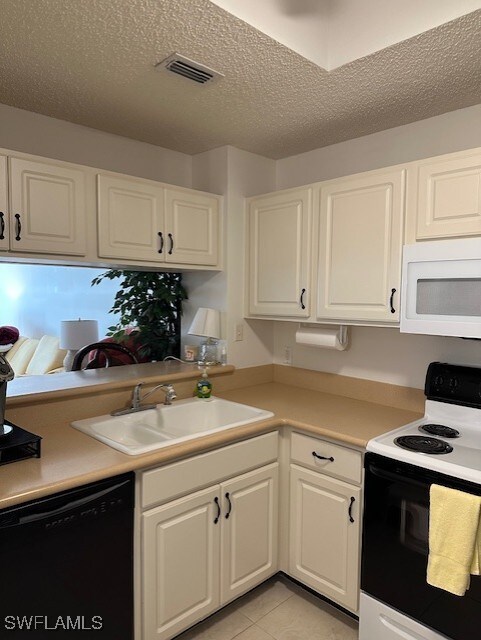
(443, 447)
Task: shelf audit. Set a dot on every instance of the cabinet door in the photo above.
(449, 198)
(180, 564)
(249, 531)
(47, 208)
(130, 219)
(191, 227)
(361, 234)
(279, 254)
(324, 543)
(4, 219)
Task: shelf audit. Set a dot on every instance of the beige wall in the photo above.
(40, 135)
(449, 132)
(376, 353)
(237, 174)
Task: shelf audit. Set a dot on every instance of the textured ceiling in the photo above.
(92, 62)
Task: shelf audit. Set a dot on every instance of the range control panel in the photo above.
(453, 383)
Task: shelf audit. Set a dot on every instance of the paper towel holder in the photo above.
(341, 334)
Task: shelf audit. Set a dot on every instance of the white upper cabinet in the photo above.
(130, 219)
(141, 220)
(448, 197)
(279, 258)
(192, 227)
(47, 208)
(360, 244)
(4, 220)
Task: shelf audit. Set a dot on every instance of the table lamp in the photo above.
(75, 334)
(206, 324)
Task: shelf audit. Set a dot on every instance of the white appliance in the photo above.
(443, 447)
(441, 288)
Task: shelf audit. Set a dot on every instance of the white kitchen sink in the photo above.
(152, 429)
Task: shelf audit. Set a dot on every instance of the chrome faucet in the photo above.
(137, 399)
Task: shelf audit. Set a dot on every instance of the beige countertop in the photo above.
(71, 458)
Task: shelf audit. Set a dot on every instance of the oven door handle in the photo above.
(397, 477)
(426, 480)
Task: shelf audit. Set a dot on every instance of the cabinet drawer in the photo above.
(191, 474)
(347, 464)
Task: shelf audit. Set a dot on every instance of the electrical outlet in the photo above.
(239, 332)
(287, 354)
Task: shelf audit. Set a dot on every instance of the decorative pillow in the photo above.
(8, 335)
(20, 356)
(47, 356)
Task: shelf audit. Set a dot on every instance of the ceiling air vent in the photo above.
(189, 69)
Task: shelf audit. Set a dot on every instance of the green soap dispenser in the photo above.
(204, 387)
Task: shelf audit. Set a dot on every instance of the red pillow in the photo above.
(9, 335)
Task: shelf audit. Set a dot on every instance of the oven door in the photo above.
(395, 548)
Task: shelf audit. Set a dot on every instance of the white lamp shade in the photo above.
(75, 334)
(206, 323)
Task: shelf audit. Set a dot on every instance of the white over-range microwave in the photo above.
(441, 288)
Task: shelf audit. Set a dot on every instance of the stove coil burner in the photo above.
(440, 430)
(423, 444)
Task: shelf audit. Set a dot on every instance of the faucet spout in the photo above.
(167, 388)
(137, 398)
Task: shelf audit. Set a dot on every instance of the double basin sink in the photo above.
(151, 429)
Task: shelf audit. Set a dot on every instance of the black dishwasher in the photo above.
(66, 564)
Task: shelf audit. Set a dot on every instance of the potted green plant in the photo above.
(149, 304)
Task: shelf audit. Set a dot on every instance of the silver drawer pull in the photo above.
(316, 455)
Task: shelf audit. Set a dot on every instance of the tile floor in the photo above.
(280, 610)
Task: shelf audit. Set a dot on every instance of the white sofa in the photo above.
(32, 356)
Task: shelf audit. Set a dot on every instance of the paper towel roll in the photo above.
(324, 337)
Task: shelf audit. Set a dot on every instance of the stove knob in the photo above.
(439, 381)
(453, 384)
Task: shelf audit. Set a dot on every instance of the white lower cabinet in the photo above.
(249, 536)
(325, 521)
(180, 563)
(201, 549)
(205, 549)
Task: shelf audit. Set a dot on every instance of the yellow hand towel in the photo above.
(454, 521)
(476, 563)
